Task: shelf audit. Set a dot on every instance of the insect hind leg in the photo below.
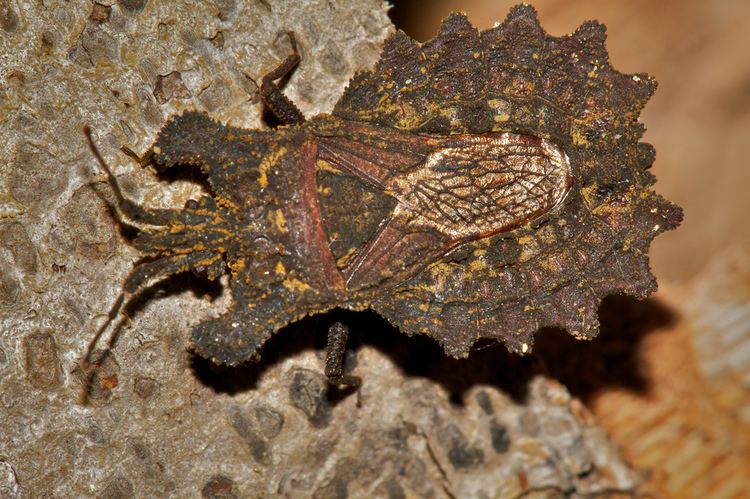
(281, 106)
(338, 333)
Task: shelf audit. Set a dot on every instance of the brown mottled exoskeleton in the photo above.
(482, 184)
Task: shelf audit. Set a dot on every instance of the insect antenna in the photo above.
(87, 368)
(111, 316)
(126, 211)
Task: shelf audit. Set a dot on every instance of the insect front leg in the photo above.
(281, 106)
(338, 333)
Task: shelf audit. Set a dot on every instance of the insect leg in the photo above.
(147, 273)
(111, 316)
(281, 106)
(335, 350)
(144, 275)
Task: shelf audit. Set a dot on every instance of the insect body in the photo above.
(483, 184)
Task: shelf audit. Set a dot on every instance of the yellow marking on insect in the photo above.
(345, 258)
(525, 240)
(295, 285)
(547, 235)
(236, 265)
(409, 117)
(208, 261)
(529, 249)
(326, 166)
(499, 104)
(280, 268)
(589, 196)
(185, 251)
(424, 307)
(524, 347)
(477, 265)
(268, 161)
(223, 202)
(502, 109)
(280, 221)
(578, 138)
(157, 150)
(527, 308)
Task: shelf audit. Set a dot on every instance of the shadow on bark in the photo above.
(612, 360)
